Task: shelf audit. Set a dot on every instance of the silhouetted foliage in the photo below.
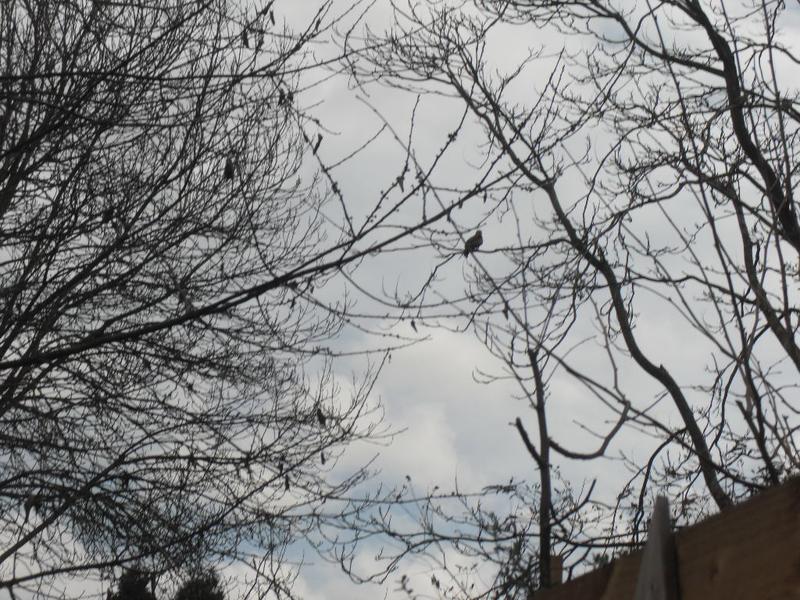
(133, 585)
(204, 586)
(164, 333)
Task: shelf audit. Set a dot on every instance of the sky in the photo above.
(452, 428)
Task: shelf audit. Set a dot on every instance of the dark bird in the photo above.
(473, 243)
(229, 171)
(286, 485)
(32, 502)
(320, 417)
(245, 38)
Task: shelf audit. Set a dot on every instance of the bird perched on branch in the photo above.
(34, 502)
(229, 169)
(473, 243)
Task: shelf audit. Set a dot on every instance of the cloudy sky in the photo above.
(453, 428)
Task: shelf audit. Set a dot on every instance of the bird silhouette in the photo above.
(31, 502)
(229, 171)
(473, 243)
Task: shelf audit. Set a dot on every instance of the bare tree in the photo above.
(160, 272)
(632, 178)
